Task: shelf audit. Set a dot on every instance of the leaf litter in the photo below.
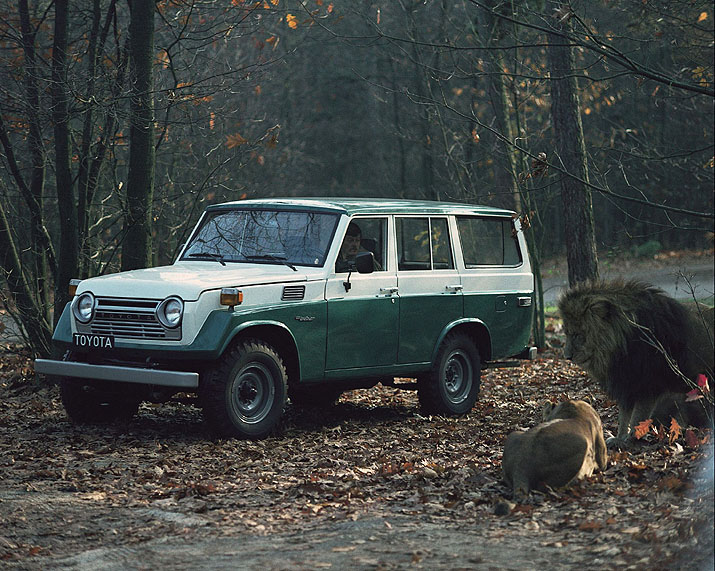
(370, 483)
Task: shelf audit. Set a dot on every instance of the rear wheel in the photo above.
(452, 386)
(244, 394)
(87, 403)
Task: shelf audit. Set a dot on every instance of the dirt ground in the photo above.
(367, 484)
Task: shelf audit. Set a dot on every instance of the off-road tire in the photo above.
(452, 386)
(85, 403)
(244, 394)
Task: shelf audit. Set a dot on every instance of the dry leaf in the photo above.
(235, 140)
(643, 428)
(675, 431)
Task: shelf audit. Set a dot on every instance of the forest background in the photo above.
(120, 120)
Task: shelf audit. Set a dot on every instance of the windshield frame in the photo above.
(271, 258)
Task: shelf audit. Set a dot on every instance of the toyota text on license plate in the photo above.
(85, 341)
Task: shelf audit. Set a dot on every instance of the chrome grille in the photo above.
(129, 319)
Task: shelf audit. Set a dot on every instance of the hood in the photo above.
(189, 279)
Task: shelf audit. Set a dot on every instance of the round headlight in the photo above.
(169, 312)
(83, 307)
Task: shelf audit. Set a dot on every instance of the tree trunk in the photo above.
(399, 137)
(68, 246)
(136, 249)
(43, 259)
(505, 164)
(568, 134)
(431, 192)
(83, 202)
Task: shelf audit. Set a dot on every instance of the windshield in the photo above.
(263, 236)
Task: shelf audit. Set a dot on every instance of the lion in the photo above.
(567, 446)
(686, 412)
(639, 344)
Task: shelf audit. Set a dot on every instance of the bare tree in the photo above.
(136, 248)
(568, 133)
(68, 250)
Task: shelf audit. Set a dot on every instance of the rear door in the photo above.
(498, 284)
(429, 284)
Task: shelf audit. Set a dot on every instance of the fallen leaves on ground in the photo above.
(371, 455)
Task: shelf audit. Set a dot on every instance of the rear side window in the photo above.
(423, 244)
(488, 242)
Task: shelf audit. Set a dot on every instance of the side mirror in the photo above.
(365, 262)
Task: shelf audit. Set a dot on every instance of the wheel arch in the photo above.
(475, 329)
(275, 334)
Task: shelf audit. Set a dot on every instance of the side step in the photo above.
(528, 354)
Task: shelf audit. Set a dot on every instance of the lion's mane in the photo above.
(618, 331)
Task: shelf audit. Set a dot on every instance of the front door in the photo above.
(363, 309)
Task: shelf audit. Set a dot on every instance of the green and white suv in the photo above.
(302, 299)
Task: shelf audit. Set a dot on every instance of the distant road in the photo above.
(670, 279)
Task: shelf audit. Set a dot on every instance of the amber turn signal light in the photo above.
(73, 286)
(231, 296)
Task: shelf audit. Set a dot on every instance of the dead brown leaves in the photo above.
(372, 455)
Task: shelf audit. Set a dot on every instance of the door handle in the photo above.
(389, 290)
(455, 288)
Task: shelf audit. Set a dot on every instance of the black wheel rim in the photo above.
(253, 393)
(457, 379)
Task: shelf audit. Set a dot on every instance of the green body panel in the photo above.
(361, 332)
(360, 335)
(362, 341)
(423, 319)
(63, 330)
(453, 325)
(307, 325)
(508, 324)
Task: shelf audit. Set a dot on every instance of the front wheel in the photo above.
(244, 394)
(452, 386)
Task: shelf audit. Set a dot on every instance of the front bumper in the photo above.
(115, 373)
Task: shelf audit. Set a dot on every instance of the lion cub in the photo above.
(567, 446)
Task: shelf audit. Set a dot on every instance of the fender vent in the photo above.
(293, 293)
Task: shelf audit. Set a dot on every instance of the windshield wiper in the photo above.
(210, 255)
(274, 257)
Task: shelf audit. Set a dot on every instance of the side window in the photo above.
(488, 242)
(423, 244)
(363, 235)
(441, 248)
(512, 255)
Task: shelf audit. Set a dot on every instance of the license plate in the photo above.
(85, 341)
